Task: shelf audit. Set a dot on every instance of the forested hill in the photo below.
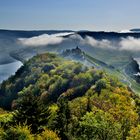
(54, 98)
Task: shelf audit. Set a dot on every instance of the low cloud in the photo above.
(127, 44)
(130, 44)
(104, 43)
(44, 39)
(125, 31)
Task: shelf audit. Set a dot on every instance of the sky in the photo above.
(108, 15)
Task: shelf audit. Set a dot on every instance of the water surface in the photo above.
(6, 70)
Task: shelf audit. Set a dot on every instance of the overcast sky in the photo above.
(70, 14)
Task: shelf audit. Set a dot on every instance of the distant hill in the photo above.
(132, 69)
(135, 30)
(29, 33)
(107, 35)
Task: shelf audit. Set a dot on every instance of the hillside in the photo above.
(56, 98)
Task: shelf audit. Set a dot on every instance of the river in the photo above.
(6, 70)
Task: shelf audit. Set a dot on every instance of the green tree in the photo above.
(31, 111)
(100, 84)
(99, 125)
(61, 119)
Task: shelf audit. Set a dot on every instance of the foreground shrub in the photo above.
(2, 133)
(17, 133)
(48, 135)
(134, 133)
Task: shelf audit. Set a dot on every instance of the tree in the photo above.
(101, 84)
(61, 119)
(99, 125)
(32, 112)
